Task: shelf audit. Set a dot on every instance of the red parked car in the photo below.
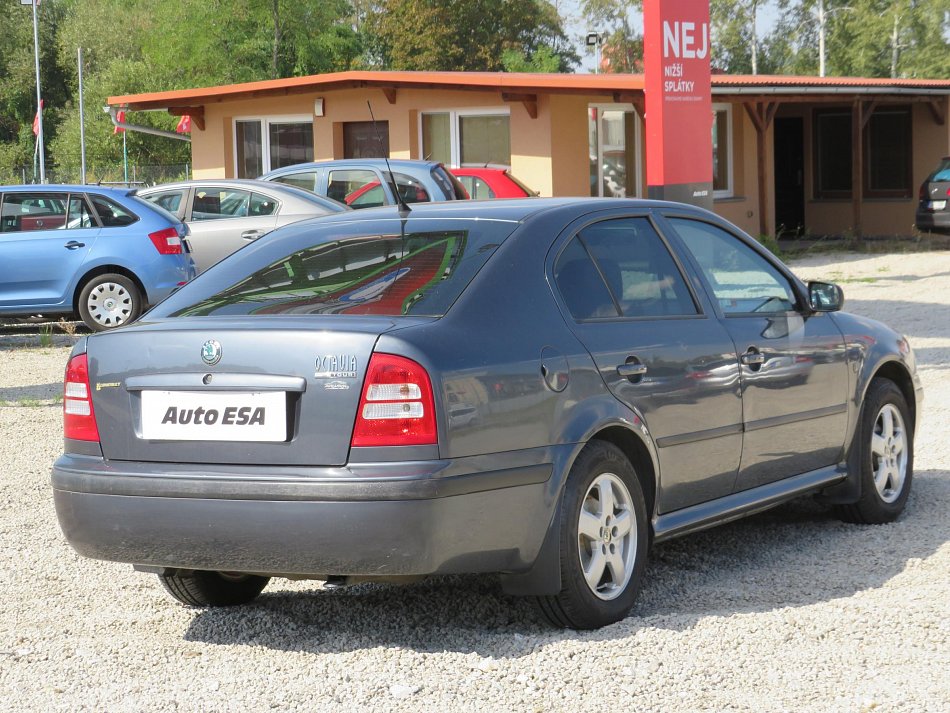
(491, 183)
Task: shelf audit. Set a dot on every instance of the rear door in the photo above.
(45, 237)
(222, 220)
(793, 363)
(659, 349)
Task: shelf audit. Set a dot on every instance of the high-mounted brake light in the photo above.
(396, 408)
(166, 241)
(79, 420)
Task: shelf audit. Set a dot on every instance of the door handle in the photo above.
(753, 357)
(74, 245)
(252, 234)
(632, 370)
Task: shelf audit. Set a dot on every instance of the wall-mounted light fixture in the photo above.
(318, 106)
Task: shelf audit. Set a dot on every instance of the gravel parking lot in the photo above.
(788, 610)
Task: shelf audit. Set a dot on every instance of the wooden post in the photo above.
(860, 116)
(762, 114)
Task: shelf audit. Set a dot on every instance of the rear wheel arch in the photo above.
(638, 454)
(106, 270)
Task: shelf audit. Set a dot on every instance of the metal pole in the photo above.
(39, 98)
(125, 159)
(82, 127)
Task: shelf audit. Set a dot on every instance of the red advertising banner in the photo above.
(678, 101)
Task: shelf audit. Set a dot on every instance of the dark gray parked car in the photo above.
(539, 388)
(932, 214)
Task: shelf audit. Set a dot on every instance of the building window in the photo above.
(722, 150)
(466, 138)
(613, 138)
(261, 145)
(833, 154)
(887, 154)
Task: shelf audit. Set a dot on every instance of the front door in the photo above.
(366, 139)
(789, 177)
(44, 240)
(793, 362)
(660, 350)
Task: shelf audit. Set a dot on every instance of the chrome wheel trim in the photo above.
(607, 536)
(110, 304)
(889, 453)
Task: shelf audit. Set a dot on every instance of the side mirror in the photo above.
(825, 296)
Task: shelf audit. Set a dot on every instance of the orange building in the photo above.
(787, 151)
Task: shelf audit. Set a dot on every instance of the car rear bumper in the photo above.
(376, 519)
(938, 221)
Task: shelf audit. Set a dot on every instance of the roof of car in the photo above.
(377, 162)
(226, 182)
(509, 209)
(74, 187)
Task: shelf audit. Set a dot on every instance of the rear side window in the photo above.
(110, 213)
(302, 179)
(449, 184)
(354, 184)
(621, 268)
(476, 187)
(215, 203)
(419, 273)
(169, 200)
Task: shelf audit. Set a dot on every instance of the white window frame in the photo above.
(729, 190)
(637, 140)
(454, 116)
(265, 122)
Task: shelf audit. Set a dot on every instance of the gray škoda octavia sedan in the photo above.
(537, 388)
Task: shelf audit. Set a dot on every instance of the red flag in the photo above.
(120, 117)
(36, 120)
(184, 125)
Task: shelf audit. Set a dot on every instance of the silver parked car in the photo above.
(224, 215)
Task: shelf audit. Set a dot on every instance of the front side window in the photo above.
(742, 280)
(33, 211)
(466, 138)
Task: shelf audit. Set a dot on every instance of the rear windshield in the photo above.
(943, 171)
(419, 273)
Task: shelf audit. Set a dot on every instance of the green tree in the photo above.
(623, 46)
(471, 36)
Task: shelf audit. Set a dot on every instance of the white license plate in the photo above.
(936, 205)
(214, 415)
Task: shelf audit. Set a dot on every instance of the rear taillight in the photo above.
(167, 241)
(79, 420)
(396, 408)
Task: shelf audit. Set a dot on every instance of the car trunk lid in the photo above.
(277, 391)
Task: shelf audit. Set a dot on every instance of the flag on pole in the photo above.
(184, 125)
(36, 120)
(120, 117)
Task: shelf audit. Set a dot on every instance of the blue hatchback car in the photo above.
(100, 252)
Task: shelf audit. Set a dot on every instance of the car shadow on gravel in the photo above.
(33, 392)
(792, 556)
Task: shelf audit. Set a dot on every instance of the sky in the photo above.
(576, 28)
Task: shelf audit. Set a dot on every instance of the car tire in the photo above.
(882, 454)
(603, 551)
(109, 301)
(213, 589)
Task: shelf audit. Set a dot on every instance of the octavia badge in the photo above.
(211, 352)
